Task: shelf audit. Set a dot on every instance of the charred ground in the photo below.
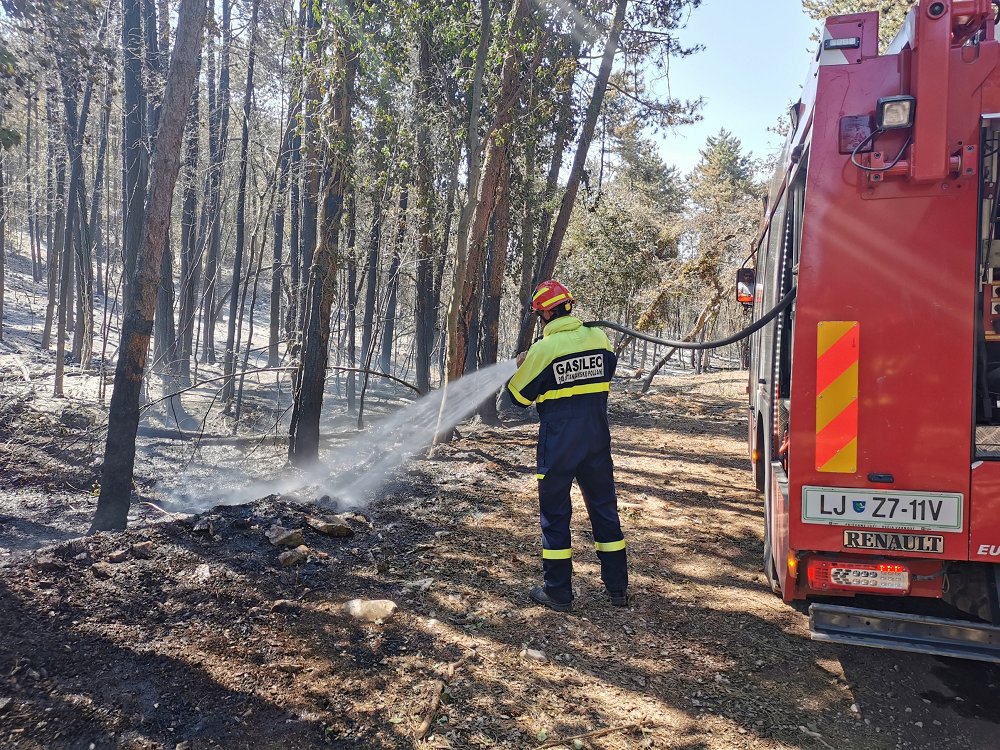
(201, 637)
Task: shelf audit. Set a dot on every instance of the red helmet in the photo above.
(548, 294)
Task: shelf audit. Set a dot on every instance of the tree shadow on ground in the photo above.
(71, 686)
(21, 534)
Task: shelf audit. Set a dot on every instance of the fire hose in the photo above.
(750, 329)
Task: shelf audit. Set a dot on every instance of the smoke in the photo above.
(352, 473)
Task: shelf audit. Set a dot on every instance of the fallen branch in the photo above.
(425, 725)
(595, 733)
(432, 709)
(816, 736)
(160, 433)
(377, 374)
(154, 506)
(24, 370)
(211, 380)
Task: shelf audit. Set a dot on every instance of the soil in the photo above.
(202, 638)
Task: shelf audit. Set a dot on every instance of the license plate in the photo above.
(838, 506)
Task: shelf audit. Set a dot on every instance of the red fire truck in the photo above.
(874, 407)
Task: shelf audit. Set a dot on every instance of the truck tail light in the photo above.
(876, 578)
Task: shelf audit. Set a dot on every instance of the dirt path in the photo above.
(209, 641)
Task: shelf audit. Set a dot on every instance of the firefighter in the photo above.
(567, 374)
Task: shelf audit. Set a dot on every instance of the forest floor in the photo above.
(202, 638)
(187, 631)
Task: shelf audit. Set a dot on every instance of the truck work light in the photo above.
(895, 112)
(851, 42)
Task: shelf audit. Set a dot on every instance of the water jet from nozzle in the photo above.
(350, 474)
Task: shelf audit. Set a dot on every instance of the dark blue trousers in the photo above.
(574, 442)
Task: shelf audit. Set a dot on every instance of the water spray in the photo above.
(348, 476)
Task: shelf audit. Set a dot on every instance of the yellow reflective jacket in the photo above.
(570, 361)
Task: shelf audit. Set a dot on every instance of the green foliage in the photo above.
(651, 31)
(645, 171)
(616, 246)
(725, 203)
(611, 252)
(723, 175)
(25, 61)
(7, 61)
(8, 80)
(720, 220)
(8, 138)
(892, 13)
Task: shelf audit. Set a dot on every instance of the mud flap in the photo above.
(776, 571)
(972, 587)
(995, 595)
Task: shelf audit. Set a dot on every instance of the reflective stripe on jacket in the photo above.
(570, 360)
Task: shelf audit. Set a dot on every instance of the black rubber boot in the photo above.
(618, 598)
(539, 596)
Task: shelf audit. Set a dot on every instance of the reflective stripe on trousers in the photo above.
(576, 444)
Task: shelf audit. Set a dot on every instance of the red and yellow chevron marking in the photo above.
(837, 396)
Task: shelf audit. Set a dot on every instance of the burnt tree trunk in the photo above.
(277, 271)
(530, 212)
(140, 304)
(3, 239)
(547, 261)
(311, 167)
(229, 365)
(135, 157)
(294, 232)
(425, 314)
(56, 235)
(351, 203)
(74, 148)
(375, 236)
(50, 179)
(440, 263)
(96, 231)
(157, 35)
(190, 258)
(521, 23)
(217, 156)
(33, 197)
(497, 266)
(29, 193)
(303, 448)
(352, 302)
(392, 298)
(83, 334)
(295, 199)
(456, 337)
